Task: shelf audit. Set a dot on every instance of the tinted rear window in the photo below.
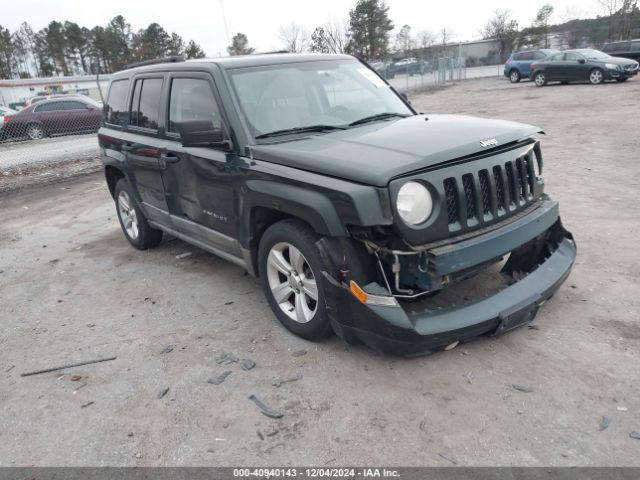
(116, 112)
(145, 105)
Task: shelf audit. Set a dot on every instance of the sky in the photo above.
(202, 20)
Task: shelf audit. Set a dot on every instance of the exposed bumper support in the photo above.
(393, 330)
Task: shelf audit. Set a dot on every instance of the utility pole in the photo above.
(224, 18)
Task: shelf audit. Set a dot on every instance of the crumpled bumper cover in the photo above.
(394, 331)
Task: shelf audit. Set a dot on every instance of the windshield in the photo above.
(331, 93)
(594, 54)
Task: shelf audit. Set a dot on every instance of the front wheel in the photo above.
(514, 76)
(621, 80)
(133, 222)
(540, 79)
(290, 268)
(596, 77)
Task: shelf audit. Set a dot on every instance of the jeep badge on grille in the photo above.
(492, 142)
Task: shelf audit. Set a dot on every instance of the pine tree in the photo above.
(239, 45)
(369, 27)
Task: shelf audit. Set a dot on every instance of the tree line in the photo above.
(66, 48)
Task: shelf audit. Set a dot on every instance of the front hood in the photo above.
(374, 154)
(619, 61)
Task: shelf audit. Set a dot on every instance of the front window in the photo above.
(297, 95)
(594, 54)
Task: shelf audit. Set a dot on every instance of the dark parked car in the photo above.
(627, 49)
(518, 65)
(359, 215)
(407, 66)
(583, 65)
(56, 116)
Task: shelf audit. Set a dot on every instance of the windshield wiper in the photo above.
(378, 116)
(309, 128)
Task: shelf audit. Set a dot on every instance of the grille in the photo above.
(490, 193)
(486, 194)
(469, 195)
(451, 194)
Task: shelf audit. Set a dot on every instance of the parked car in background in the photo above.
(407, 66)
(583, 65)
(518, 65)
(627, 49)
(56, 116)
(5, 111)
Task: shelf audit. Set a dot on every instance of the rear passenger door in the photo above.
(554, 67)
(143, 143)
(199, 181)
(526, 58)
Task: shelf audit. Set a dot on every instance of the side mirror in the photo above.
(582, 60)
(201, 133)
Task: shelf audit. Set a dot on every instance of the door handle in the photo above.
(169, 158)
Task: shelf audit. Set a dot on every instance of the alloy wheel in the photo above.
(292, 282)
(596, 77)
(515, 76)
(128, 215)
(540, 79)
(34, 132)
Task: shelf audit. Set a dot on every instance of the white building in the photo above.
(18, 91)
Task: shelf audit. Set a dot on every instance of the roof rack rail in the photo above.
(154, 61)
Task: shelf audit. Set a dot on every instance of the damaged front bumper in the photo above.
(541, 252)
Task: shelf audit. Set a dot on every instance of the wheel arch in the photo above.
(112, 175)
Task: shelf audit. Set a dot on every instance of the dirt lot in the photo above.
(72, 289)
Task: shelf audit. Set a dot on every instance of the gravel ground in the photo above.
(72, 289)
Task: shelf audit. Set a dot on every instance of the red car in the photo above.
(56, 116)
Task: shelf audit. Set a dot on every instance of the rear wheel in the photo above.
(133, 222)
(290, 268)
(514, 76)
(35, 132)
(540, 79)
(596, 76)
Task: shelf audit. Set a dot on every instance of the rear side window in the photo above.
(192, 99)
(50, 107)
(145, 103)
(526, 56)
(116, 108)
(75, 106)
(517, 56)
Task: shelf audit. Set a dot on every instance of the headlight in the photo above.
(414, 203)
(611, 66)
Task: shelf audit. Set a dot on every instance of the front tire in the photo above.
(596, 76)
(134, 224)
(622, 80)
(290, 268)
(540, 79)
(514, 76)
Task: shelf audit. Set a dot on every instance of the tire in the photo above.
(540, 79)
(35, 131)
(133, 222)
(596, 76)
(622, 80)
(514, 76)
(290, 264)
(564, 82)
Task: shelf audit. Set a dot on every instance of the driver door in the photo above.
(199, 182)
